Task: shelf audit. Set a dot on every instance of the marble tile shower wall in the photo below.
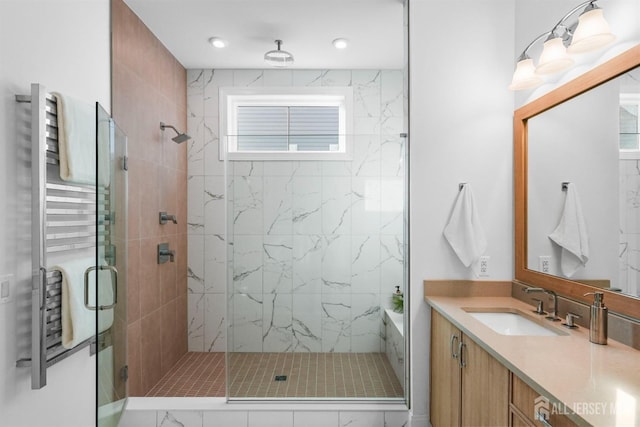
(316, 246)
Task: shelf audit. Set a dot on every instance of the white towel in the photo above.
(464, 231)
(78, 322)
(571, 234)
(77, 142)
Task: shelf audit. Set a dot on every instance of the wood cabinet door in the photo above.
(445, 373)
(485, 388)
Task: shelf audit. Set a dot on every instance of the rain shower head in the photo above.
(181, 137)
(278, 58)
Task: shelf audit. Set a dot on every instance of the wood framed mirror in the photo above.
(525, 270)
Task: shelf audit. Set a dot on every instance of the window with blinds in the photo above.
(287, 123)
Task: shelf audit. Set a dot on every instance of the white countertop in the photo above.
(601, 383)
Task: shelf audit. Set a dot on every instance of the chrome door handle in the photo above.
(539, 416)
(114, 284)
(461, 361)
(454, 338)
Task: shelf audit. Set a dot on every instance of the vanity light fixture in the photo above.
(590, 32)
(218, 42)
(340, 43)
(278, 57)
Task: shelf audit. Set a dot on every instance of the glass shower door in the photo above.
(111, 265)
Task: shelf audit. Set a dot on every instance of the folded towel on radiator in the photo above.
(78, 322)
(571, 234)
(77, 142)
(464, 231)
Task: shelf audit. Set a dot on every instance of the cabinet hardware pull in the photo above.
(454, 338)
(539, 416)
(461, 361)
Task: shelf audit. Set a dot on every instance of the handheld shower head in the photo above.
(180, 137)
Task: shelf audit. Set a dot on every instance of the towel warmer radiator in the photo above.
(65, 218)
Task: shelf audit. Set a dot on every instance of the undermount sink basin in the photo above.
(509, 321)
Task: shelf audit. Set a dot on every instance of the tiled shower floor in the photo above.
(309, 375)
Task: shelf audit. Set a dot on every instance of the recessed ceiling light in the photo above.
(218, 42)
(340, 43)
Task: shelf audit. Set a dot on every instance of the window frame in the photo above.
(630, 99)
(230, 98)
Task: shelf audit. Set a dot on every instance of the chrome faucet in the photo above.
(553, 314)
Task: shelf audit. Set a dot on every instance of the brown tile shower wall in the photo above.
(149, 86)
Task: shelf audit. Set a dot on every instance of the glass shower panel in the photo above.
(112, 270)
(315, 252)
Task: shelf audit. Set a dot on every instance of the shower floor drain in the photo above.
(281, 378)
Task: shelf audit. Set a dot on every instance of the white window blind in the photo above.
(288, 128)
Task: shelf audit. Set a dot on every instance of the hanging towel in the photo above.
(78, 322)
(464, 231)
(77, 142)
(571, 234)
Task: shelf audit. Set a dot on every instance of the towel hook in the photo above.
(565, 186)
(461, 186)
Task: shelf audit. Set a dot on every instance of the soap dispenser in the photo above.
(598, 323)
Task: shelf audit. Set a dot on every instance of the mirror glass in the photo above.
(592, 142)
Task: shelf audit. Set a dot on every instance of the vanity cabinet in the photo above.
(522, 407)
(468, 386)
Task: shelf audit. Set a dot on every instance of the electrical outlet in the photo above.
(544, 263)
(483, 269)
(6, 288)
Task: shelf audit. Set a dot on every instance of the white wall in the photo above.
(461, 59)
(63, 45)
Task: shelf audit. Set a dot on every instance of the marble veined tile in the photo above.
(392, 261)
(215, 257)
(195, 264)
(336, 323)
(254, 78)
(366, 323)
(195, 146)
(361, 419)
(247, 264)
(336, 264)
(277, 205)
(248, 205)
(195, 321)
(336, 205)
(366, 93)
(214, 205)
(307, 264)
(336, 78)
(277, 261)
(213, 80)
(307, 322)
(214, 322)
(195, 205)
(306, 203)
(392, 93)
(195, 93)
(365, 264)
(280, 78)
(366, 155)
(366, 211)
(213, 161)
(307, 78)
(179, 419)
(247, 322)
(277, 324)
